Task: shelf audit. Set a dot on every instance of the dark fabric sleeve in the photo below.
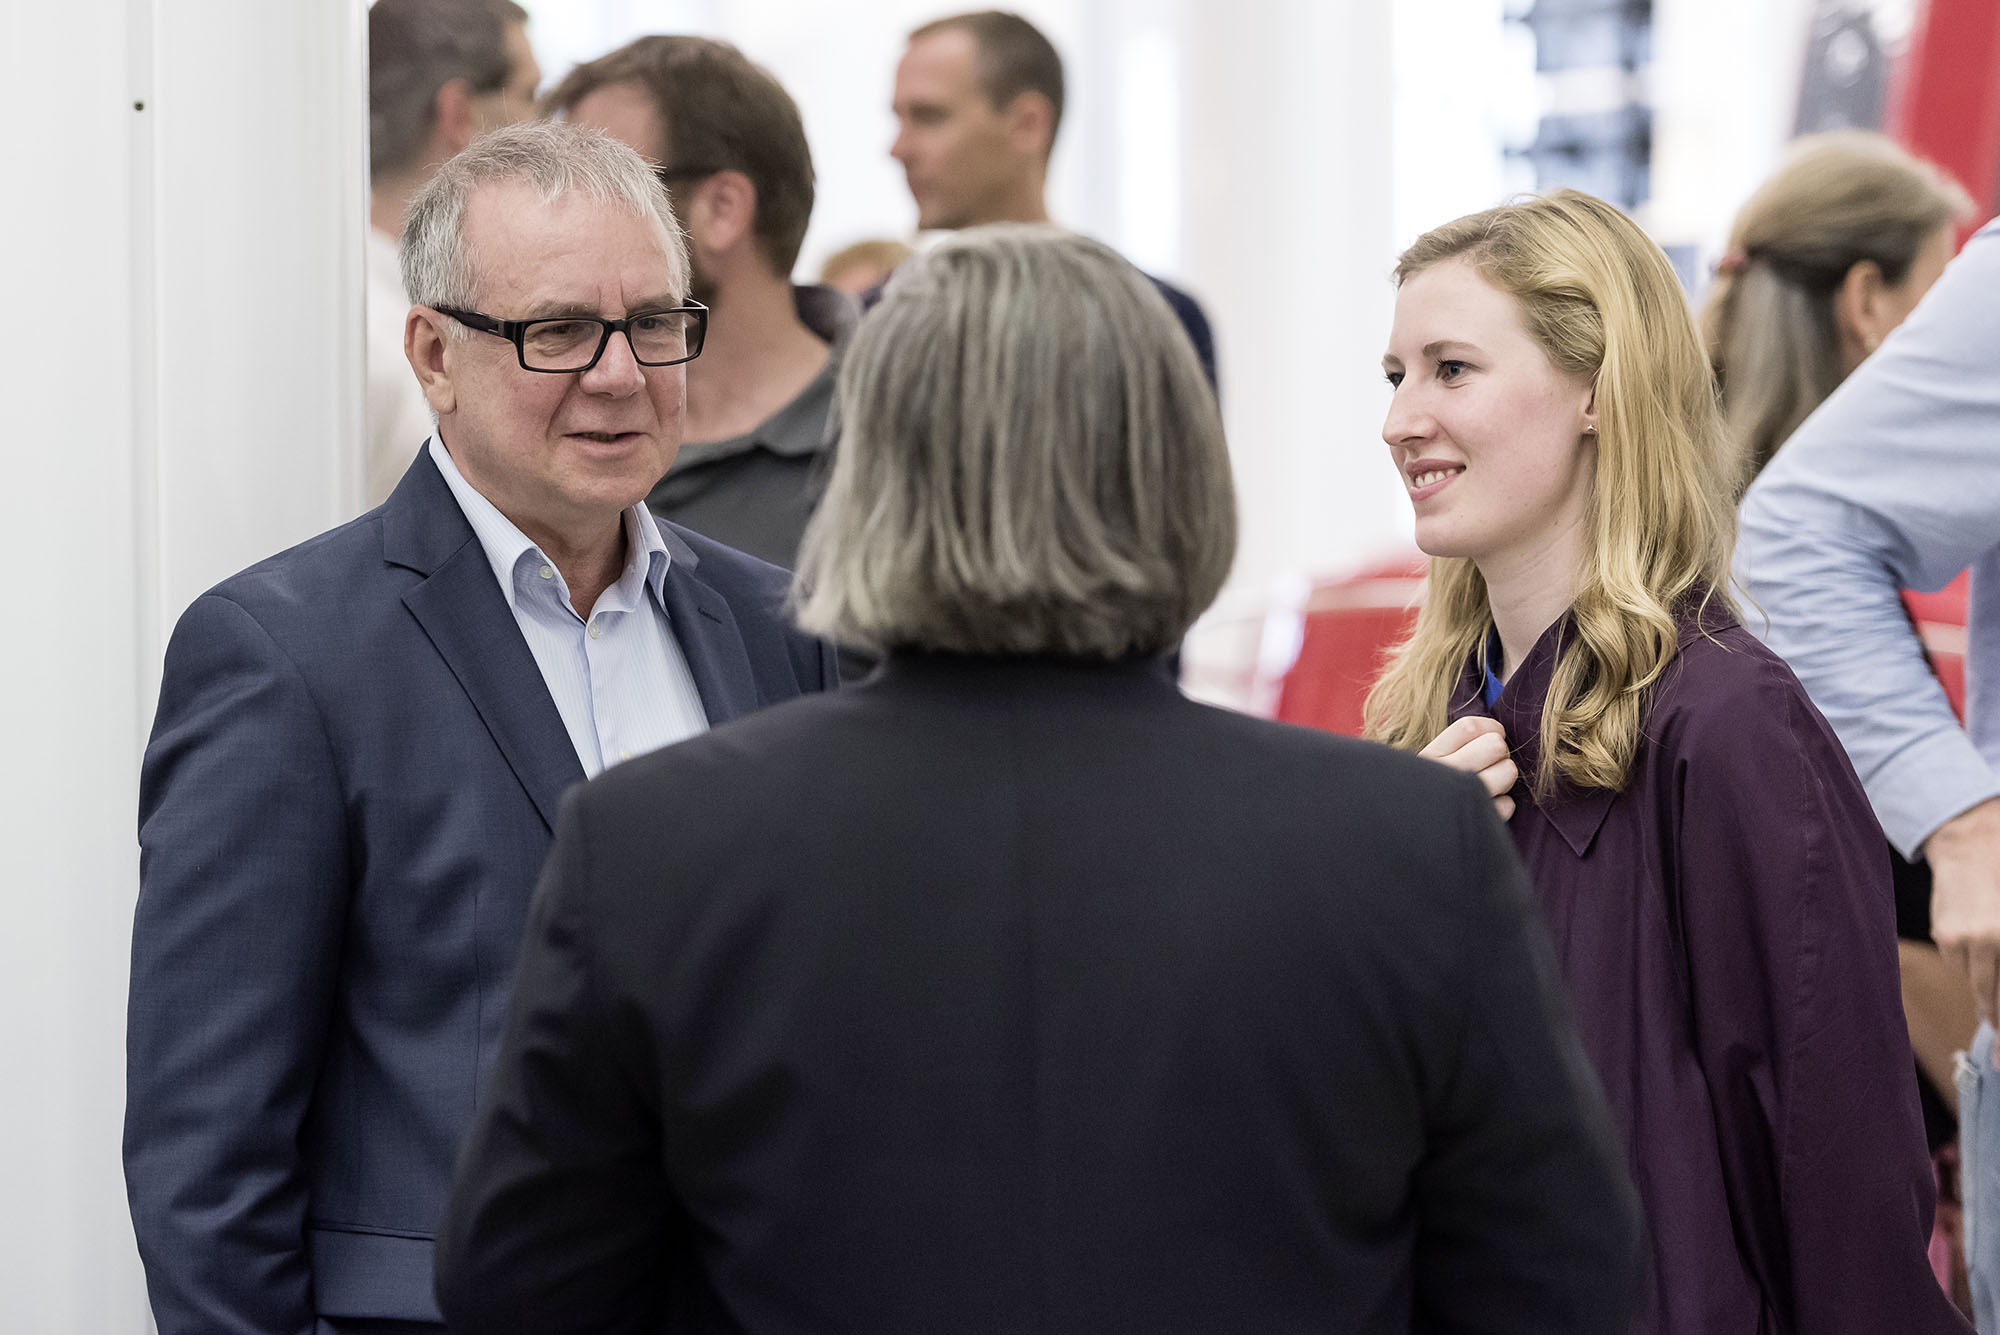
(561, 1218)
(235, 957)
(1188, 311)
(1527, 1219)
(830, 671)
(1790, 937)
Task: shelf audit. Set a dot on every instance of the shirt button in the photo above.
(547, 572)
(624, 755)
(597, 630)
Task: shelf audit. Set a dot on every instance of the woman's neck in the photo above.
(1527, 593)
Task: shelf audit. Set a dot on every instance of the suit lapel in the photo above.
(709, 639)
(461, 609)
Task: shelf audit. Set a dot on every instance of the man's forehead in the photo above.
(626, 111)
(566, 249)
(523, 70)
(940, 66)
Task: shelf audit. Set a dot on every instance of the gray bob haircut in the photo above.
(1031, 461)
(552, 158)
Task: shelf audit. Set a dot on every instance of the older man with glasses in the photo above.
(361, 744)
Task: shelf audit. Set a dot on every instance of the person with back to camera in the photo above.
(1829, 255)
(1012, 990)
(1703, 851)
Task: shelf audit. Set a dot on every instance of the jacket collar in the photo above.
(710, 640)
(460, 606)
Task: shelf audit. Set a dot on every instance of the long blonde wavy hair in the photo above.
(1604, 304)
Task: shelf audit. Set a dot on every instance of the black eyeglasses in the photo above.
(569, 343)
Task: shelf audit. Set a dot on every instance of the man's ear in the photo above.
(455, 122)
(1031, 123)
(721, 211)
(425, 344)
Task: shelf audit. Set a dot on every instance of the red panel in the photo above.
(1940, 622)
(1945, 103)
(1349, 624)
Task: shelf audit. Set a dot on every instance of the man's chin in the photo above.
(935, 219)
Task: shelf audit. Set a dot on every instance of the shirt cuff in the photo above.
(1926, 784)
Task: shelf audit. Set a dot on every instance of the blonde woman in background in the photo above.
(1828, 256)
(864, 265)
(1704, 855)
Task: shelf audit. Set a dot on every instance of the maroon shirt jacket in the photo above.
(1726, 928)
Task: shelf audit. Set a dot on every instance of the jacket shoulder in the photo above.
(320, 571)
(728, 569)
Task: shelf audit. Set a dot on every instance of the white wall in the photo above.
(1725, 94)
(180, 365)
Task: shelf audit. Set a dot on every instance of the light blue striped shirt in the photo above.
(619, 679)
(1894, 483)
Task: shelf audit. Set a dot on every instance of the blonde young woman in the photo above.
(1703, 852)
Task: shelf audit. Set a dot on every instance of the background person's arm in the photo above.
(1895, 483)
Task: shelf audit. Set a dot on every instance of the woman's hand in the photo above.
(1479, 746)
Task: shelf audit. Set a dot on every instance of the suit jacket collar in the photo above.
(709, 638)
(463, 611)
(461, 608)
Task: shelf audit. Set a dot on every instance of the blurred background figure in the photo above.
(856, 268)
(1829, 255)
(1011, 989)
(439, 72)
(978, 101)
(728, 142)
(1894, 484)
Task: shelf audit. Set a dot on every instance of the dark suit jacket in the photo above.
(1030, 996)
(350, 788)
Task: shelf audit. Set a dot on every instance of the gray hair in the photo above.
(416, 47)
(552, 158)
(1032, 461)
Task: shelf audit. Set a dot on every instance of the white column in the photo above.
(1725, 98)
(180, 360)
(1289, 244)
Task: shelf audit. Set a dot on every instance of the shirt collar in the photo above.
(1576, 813)
(646, 554)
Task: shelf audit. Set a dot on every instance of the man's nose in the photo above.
(617, 372)
(899, 147)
